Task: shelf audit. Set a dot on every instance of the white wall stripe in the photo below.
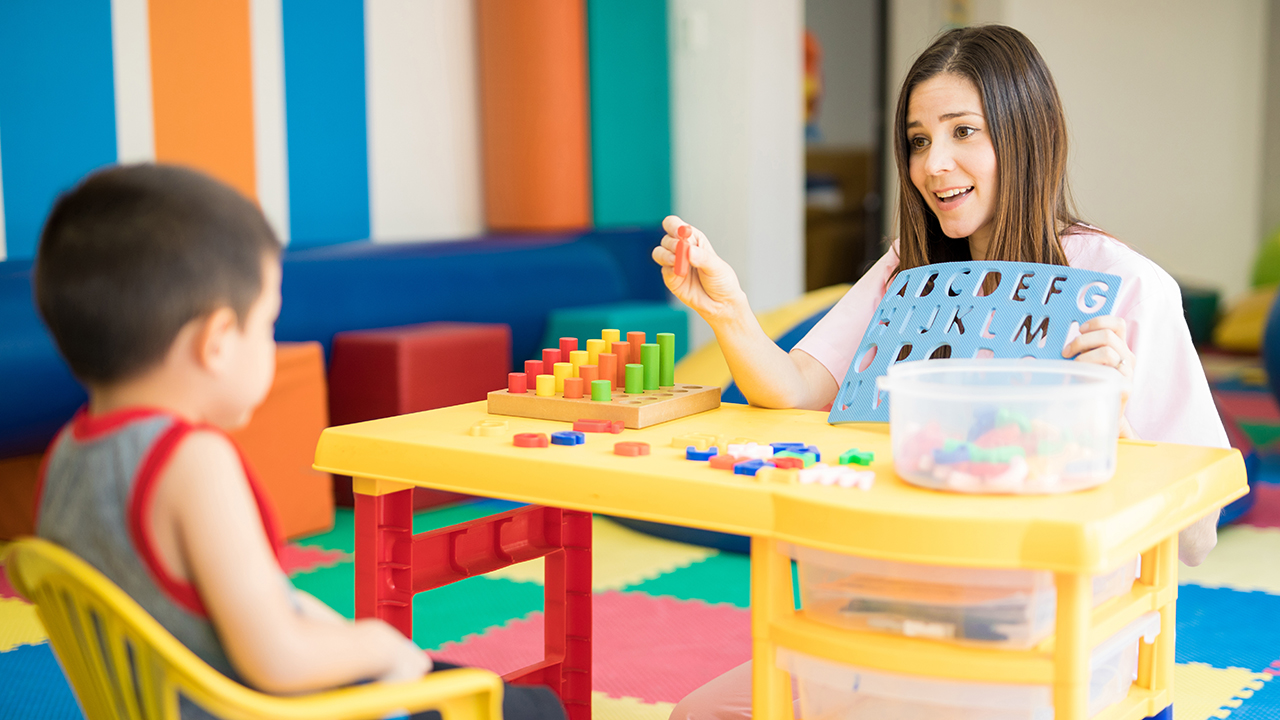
(3, 250)
(271, 152)
(131, 66)
(424, 153)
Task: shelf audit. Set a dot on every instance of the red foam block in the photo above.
(393, 371)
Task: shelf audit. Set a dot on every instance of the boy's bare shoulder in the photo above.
(205, 475)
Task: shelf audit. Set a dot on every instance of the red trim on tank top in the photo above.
(87, 428)
(180, 591)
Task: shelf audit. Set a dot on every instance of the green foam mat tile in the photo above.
(446, 614)
(721, 578)
(342, 536)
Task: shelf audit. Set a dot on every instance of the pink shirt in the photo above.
(1170, 401)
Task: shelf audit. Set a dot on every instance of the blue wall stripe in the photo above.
(57, 106)
(324, 81)
(630, 111)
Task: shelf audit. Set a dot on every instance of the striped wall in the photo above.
(396, 120)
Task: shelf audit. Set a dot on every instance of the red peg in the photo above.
(550, 356)
(517, 383)
(684, 232)
(532, 368)
(567, 345)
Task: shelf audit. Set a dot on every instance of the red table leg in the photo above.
(392, 565)
(384, 558)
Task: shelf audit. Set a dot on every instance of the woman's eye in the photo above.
(918, 142)
(965, 131)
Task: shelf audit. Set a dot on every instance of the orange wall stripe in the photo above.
(533, 107)
(201, 83)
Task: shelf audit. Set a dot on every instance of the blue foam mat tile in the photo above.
(32, 686)
(1228, 628)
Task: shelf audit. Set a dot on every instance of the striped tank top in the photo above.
(94, 499)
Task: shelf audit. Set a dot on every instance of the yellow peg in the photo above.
(561, 371)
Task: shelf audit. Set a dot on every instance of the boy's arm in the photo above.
(228, 558)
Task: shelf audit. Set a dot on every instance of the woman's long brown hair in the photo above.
(1028, 131)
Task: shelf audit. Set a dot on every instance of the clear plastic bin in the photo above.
(834, 691)
(1003, 426)
(1012, 609)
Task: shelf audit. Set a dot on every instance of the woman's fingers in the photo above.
(1102, 342)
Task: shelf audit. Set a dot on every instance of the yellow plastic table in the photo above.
(1158, 490)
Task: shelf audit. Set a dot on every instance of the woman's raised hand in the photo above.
(708, 285)
(1102, 341)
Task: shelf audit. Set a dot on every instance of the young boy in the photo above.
(161, 287)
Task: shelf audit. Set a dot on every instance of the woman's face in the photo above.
(953, 163)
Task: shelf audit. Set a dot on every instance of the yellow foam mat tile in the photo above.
(19, 624)
(1201, 692)
(619, 557)
(604, 707)
(1241, 561)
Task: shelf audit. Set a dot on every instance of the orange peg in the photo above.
(681, 267)
(608, 364)
(573, 387)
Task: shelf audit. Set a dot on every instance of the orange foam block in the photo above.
(280, 440)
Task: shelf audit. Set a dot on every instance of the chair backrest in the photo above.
(1028, 314)
(124, 665)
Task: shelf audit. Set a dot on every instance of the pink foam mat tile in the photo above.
(1248, 405)
(1266, 506)
(296, 558)
(657, 649)
(6, 590)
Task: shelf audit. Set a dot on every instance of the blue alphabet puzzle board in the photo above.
(1028, 314)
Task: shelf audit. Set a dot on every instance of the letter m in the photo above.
(1025, 329)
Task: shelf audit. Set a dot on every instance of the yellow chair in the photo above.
(123, 664)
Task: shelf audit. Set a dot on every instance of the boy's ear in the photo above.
(213, 337)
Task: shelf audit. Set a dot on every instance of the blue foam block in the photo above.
(568, 437)
(748, 467)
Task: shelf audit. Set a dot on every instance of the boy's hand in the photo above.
(1102, 342)
(408, 661)
(709, 285)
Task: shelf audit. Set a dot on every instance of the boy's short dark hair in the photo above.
(133, 253)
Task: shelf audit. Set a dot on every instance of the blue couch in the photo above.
(512, 279)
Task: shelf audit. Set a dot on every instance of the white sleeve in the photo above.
(1170, 400)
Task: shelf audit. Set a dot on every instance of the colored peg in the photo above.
(533, 368)
(609, 368)
(567, 346)
(649, 354)
(517, 383)
(666, 359)
(577, 358)
(545, 386)
(635, 379)
(636, 339)
(681, 265)
(561, 371)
